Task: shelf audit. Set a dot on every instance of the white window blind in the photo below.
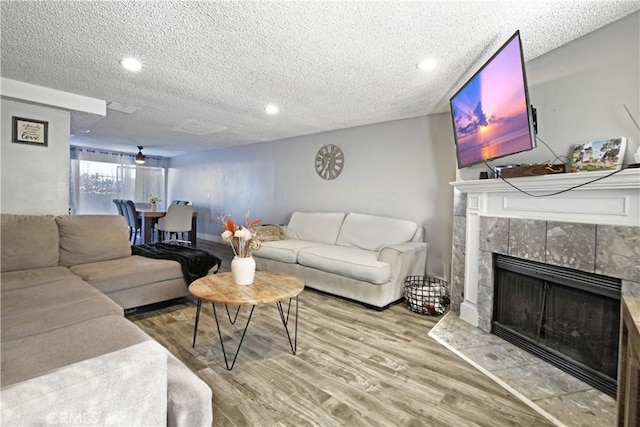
(97, 177)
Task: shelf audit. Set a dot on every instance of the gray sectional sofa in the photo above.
(361, 257)
(68, 355)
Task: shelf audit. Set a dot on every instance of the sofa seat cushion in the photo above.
(375, 232)
(356, 263)
(23, 279)
(92, 238)
(35, 355)
(29, 241)
(126, 273)
(51, 306)
(284, 250)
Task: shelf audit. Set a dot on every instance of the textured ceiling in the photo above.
(211, 67)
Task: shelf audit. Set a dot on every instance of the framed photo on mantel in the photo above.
(29, 131)
(598, 155)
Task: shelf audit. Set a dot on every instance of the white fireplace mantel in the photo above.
(612, 200)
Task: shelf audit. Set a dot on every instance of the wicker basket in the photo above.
(426, 295)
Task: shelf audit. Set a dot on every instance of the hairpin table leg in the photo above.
(285, 322)
(224, 353)
(195, 329)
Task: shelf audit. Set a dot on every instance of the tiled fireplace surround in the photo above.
(594, 228)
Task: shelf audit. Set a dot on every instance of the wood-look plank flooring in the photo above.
(354, 367)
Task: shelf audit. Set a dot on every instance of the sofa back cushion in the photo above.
(92, 238)
(29, 241)
(322, 227)
(374, 232)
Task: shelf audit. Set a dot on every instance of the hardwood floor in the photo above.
(354, 367)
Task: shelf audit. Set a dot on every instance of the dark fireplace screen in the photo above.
(567, 317)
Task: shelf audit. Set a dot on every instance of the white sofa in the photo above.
(356, 256)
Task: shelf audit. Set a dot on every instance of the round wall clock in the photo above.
(329, 161)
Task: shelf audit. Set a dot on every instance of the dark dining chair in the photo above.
(131, 214)
(119, 207)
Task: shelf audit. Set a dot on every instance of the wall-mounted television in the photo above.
(491, 113)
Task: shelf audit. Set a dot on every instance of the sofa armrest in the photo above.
(403, 248)
(125, 387)
(405, 259)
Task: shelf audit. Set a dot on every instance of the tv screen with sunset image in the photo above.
(491, 115)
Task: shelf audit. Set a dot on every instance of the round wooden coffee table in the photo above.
(267, 287)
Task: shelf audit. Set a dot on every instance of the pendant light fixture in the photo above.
(140, 158)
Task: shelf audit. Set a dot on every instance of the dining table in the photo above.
(148, 218)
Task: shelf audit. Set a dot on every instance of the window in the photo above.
(99, 177)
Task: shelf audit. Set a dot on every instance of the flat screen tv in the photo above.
(491, 113)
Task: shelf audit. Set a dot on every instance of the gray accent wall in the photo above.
(35, 179)
(579, 90)
(398, 169)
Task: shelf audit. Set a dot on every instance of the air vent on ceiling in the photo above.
(198, 127)
(116, 106)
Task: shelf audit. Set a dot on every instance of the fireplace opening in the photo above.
(569, 318)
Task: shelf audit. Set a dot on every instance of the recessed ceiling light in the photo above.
(271, 109)
(427, 64)
(131, 64)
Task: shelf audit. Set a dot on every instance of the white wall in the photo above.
(398, 169)
(579, 90)
(35, 179)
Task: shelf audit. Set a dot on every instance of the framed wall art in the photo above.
(598, 155)
(29, 131)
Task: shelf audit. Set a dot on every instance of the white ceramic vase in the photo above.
(243, 270)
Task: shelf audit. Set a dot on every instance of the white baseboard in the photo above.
(210, 237)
